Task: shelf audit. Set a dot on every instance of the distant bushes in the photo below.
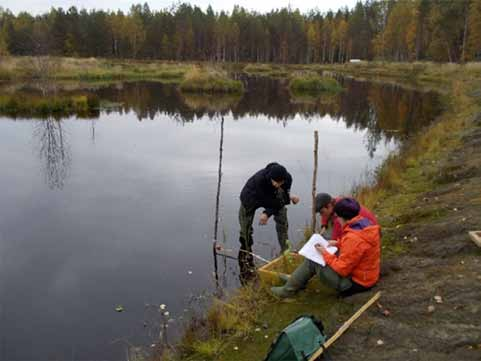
(209, 80)
(314, 83)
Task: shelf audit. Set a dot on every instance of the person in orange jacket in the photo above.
(356, 266)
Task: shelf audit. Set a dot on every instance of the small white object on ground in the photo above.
(380, 342)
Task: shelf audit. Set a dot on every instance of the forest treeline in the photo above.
(395, 30)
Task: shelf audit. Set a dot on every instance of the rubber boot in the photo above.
(246, 262)
(284, 278)
(296, 281)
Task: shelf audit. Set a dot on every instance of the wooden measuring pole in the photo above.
(314, 178)
(345, 326)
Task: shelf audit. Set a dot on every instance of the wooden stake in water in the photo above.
(217, 201)
(314, 178)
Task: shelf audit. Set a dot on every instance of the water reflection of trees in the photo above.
(386, 111)
(53, 151)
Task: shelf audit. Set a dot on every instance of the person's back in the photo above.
(268, 188)
(258, 191)
(359, 252)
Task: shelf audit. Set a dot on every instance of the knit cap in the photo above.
(347, 208)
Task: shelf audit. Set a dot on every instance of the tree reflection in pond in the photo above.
(53, 151)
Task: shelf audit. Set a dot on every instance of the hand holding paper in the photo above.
(310, 252)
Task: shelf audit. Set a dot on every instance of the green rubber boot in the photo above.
(296, 281)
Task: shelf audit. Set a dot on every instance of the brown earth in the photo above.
(441, 260)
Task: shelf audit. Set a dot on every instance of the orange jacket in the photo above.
(359, 252)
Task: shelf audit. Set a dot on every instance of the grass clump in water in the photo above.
(37, 106)
(313, 83)
(209, 80)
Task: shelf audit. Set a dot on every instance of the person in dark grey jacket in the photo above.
(268, 188)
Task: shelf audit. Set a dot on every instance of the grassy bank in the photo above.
(57, 68)
(209, 80)
(394, 196)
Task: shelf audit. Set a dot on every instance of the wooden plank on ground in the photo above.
(345, 326)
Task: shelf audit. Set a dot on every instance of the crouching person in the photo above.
(356, 266)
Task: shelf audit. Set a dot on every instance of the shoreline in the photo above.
(400, 198)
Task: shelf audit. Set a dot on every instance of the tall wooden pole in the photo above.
(217, 201)
(314, 178)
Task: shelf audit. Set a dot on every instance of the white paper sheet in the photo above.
(310, 252)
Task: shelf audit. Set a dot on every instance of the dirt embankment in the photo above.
(432, 291)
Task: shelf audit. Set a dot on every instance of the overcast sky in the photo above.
(41, 6)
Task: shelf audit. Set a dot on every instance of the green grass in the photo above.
(209, 80)
(20, 105)
(91, 69)
(312, 83)
(251, 320)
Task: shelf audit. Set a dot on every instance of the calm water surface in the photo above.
(118, 209)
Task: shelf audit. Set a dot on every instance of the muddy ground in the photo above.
(411, 322)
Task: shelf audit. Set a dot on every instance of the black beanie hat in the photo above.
(347, 208)
(277, 172)
(322, 200)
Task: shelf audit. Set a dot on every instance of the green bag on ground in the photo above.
(298, 341)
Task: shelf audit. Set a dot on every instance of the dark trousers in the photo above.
(246, 218)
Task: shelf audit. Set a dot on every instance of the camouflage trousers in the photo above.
(246, 218)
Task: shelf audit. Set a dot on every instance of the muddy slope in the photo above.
(431, 303)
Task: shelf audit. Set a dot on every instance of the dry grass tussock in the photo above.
(209, 79)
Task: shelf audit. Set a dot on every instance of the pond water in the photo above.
(118, 208)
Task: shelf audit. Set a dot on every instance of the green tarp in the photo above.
(298, 341)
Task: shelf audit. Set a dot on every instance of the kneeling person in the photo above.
(355, 268)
